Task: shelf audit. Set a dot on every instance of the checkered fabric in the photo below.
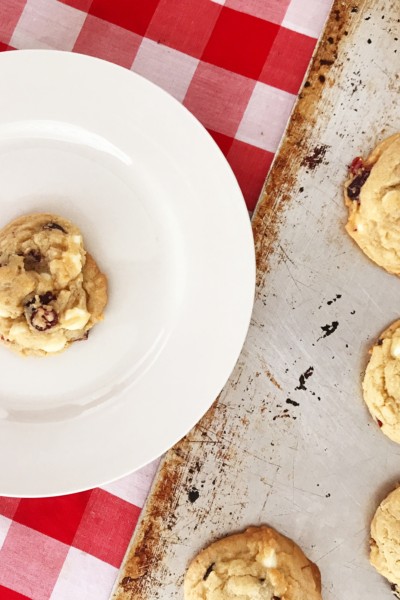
(69, 547)
(237, 65)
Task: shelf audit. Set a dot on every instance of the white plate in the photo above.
(163, 214)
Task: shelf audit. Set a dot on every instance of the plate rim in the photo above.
(251, 267)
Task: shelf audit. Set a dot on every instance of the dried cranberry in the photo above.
(54, 226)
(395, 590)
(208, 571)
(356, 165)
(43, 318)
(46, 298)
(379, 423)
(353, 190)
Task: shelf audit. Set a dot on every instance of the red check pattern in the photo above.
(69, 547)
(237, 65)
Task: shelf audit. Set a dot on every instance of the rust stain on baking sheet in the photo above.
(272, 379)
(148, 547)
(176, 477)
(294, 152)
(173, 485)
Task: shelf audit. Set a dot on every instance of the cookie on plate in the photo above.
(385, 540)
(257, 564)
(372, 196)
(381, 385)
(51, 291)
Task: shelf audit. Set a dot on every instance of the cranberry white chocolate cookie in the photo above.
(385, 540)
(51, 291)
(381, 385)
(372, 196)
(257, 564)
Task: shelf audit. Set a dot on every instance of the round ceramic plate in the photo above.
(162, 213)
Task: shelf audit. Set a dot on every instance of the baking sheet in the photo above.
(290, 442)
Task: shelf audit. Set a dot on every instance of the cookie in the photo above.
(51, 291)
(385, 540)
(381, 385)
(372, 196)
(257, 564)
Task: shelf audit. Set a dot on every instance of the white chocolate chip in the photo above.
(269, 559)
(395, 348)
(75, 318)
(359, 223)
(74, 259)
(53, 344)
(21, 334)
(17, 330)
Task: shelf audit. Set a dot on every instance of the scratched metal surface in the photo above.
(289, 442)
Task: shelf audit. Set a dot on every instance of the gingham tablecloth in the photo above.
(237, 65)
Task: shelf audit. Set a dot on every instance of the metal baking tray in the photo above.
(290, 442)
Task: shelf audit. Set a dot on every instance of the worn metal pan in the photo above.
(289, 442)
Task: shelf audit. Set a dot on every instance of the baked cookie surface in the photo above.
(385, 540)
(257, 564)
(372, 196)
(51, 291)
(381, 384)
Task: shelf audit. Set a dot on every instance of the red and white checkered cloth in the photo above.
(237, 65)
